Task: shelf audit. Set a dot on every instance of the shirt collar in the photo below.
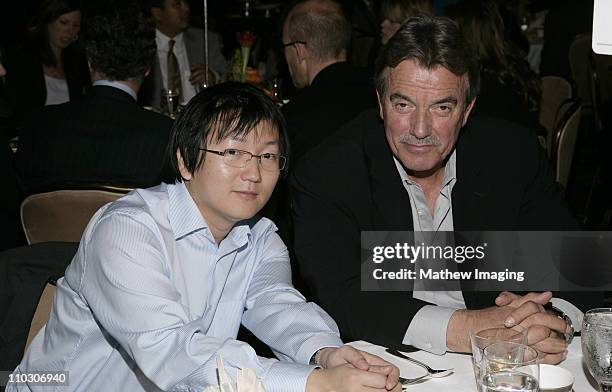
(450, 171)
(162, 40)
(121, 86)
(186, 219)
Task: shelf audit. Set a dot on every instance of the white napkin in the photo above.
(246, 380)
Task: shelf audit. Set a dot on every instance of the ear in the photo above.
(302, 52)
(157, 13)
(468, 110)
(186, 174)
(380, 105)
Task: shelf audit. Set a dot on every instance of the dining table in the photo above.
(462, 379)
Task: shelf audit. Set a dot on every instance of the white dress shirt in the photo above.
(162, 41)
(150, 299)
(57, 91)
(427, 330)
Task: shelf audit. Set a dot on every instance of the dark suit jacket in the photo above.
(150, 92)
(103, 138)
(338, 93)
(25, 74)
(350, 184)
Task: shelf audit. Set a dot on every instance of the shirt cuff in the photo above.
(571, 311)
(427, 330)
(287, 377)
(316, 343)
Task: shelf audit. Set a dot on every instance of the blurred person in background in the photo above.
(509, 89)
(394, 12)
(51, 68)
(180, 62)
(105, 137)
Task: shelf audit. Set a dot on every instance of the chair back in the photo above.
(579, 59)
(43, 310)
(62, 215)
(555, 91)
(564, 143)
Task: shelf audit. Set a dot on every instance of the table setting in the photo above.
(424, 371)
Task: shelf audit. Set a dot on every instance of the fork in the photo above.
(434, 373)
(408, 381)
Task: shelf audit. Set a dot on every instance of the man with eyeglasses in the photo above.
(316, 36)
(164, 277)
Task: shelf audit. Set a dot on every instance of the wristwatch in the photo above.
(569, 336)
(314, 360)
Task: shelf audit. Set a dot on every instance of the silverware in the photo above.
(434, 373)
(409, 381)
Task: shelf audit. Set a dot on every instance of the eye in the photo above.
(269, 156)
(401, 106)
(444, 109)
(230, 152)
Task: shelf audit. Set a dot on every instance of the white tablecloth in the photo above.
(462, 380)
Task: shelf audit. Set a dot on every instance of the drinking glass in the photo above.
(596, 337)
(510, 367)
(480, 339)
(170, 101)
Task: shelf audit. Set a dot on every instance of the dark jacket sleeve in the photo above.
(331, 206)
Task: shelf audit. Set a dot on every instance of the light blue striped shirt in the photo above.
(150, 299)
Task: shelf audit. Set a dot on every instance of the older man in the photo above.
(415, 170)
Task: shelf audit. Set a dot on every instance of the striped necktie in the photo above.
(174, 73)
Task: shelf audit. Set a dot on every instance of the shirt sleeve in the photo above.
(279, 315)
(127, 285)
(427, 330)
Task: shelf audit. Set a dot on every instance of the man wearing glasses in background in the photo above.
(164, 277)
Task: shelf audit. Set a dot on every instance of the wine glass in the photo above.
(597, 345)
(480, 339)
(170, 101)
(509, 366)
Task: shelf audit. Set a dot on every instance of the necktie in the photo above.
(174, 74)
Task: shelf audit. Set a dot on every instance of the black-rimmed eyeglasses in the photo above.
(239, 159)
(293, 43)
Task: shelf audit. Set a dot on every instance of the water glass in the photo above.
(480, 339)
(596, 337)
(170, 101)
(510, 367)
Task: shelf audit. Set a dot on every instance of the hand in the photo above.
(347, 378)
(331, 357)
(545, 331)
(197, 74)
(511, 310)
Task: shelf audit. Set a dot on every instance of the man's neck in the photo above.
(315, 67)
(167, 32)
(131, 83)
(431, 184)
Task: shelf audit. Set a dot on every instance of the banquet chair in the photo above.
(42, 313)
(555, 91)
(63, 215)
(564, 142)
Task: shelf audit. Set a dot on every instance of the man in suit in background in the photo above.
(105, 138)
(180, 62)
(316, 36)
(415, 171)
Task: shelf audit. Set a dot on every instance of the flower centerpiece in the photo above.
(246, 39)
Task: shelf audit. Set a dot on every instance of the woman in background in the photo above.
(394, 12)
(52, 68)
(509, 88)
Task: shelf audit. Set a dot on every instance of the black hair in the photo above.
(120, 42)
(226, 110)
(430, 42)
(48, 12)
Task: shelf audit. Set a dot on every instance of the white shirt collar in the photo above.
(118, 85)
(162, 40)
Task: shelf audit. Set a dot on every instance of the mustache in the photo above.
(408, 138)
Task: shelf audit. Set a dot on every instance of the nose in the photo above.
(252, 170)
(421, 123)
(185, 7)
